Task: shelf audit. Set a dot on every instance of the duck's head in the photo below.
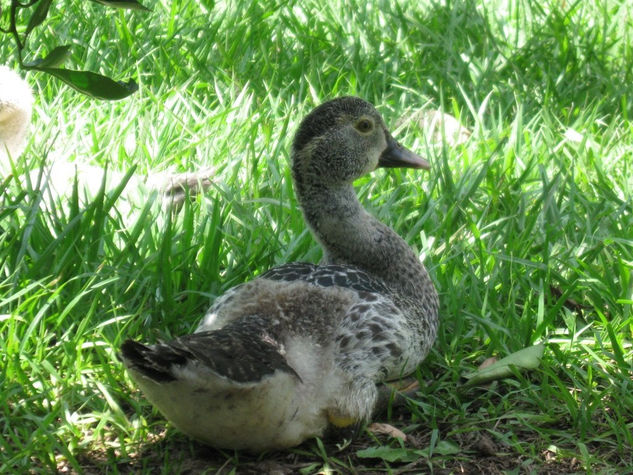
(342, 140)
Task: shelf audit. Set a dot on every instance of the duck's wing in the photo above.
(226, 307)
(327, 276)
(243, 352)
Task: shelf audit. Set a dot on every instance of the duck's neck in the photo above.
(350, 235)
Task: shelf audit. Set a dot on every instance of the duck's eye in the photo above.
(364, 125)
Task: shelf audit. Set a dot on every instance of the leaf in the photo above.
(389, 454)
(52, 60)
(402, 454)
(92, 84)
(378, 428)
(527, 358)
(444, 447)
(488, 362)
(127, 4)
(39, 15)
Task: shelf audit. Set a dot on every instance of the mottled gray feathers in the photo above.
(327, 276)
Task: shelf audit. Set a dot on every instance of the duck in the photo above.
(58, 177)
(302, 348)
(16, 102)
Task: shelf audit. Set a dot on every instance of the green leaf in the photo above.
(527, 358)
(52, 60)
(39, 15)
(389, 454)
(127, 4)
(92, 84)
(402, 454)
(444, 447)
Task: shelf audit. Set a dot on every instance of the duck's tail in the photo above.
(243, 352)
(230, 388)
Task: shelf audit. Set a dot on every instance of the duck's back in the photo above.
(342, 309)
(298, 282)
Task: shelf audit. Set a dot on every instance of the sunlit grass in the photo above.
(526, 228)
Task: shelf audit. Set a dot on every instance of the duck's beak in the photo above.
(396, 156)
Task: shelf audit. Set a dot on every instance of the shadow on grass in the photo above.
(174, 453)
(560, 59)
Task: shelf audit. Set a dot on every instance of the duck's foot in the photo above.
(342, 427)
(336, 434)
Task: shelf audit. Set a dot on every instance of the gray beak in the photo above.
(396, 156)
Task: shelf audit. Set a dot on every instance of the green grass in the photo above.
(527, 228)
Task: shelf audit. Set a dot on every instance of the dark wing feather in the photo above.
(243, 351)
(155, 362)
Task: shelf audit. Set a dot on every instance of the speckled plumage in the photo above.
(277, 359)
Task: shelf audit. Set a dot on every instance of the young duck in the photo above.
(57, 178)
(16, 101)
(279, 359)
